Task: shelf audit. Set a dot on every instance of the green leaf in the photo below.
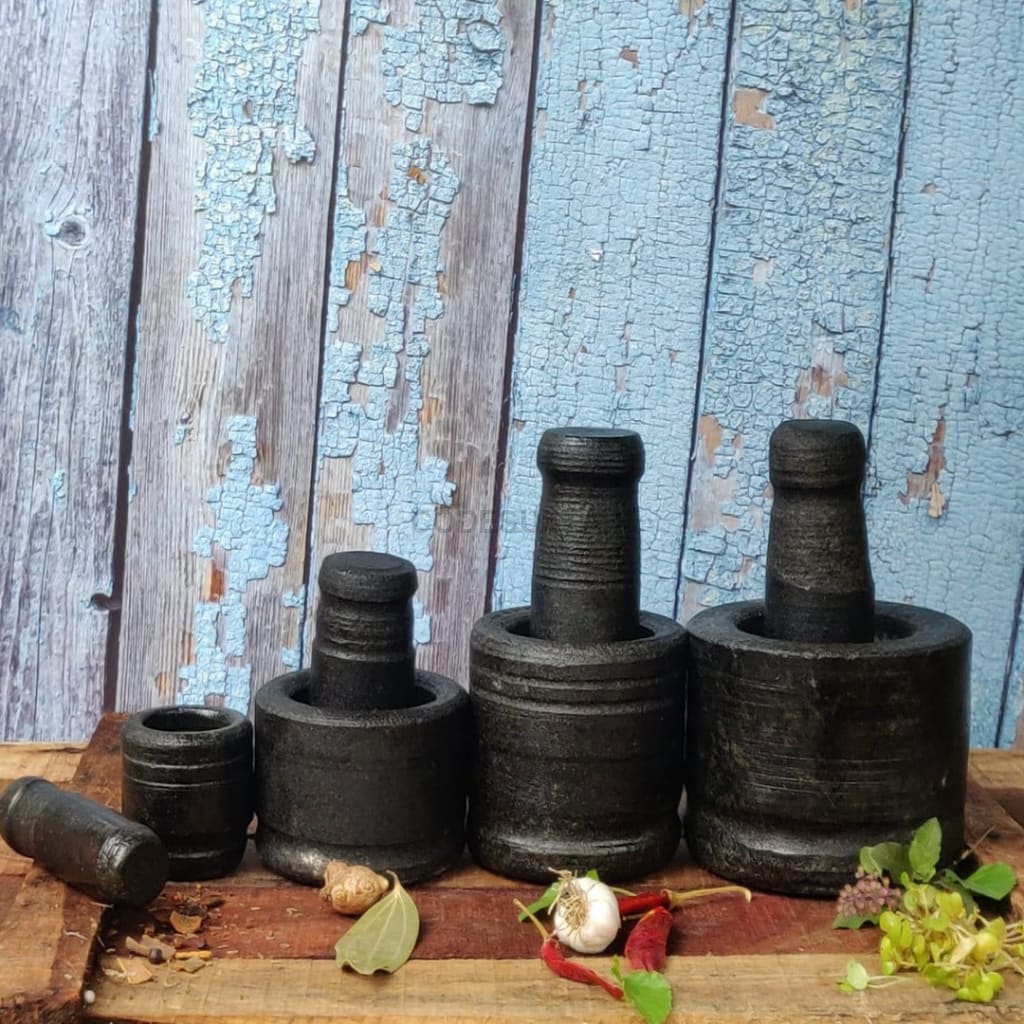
(992, 880)
(854, 921)
(925, 848)
(650, 994)
(856, 977)
(890, 859)
(384, 937)
(549, 895)
(950, 880)
(544, 901)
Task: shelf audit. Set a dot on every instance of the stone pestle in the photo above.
(361, 757)
(818, 721)
(577, 700)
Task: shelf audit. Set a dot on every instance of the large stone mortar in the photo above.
(577, 700)
(800, 750)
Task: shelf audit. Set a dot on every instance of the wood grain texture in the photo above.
(946, 484)
(435, 100)
(799, 989)
(73, 80)
(618, 217)
(47, 929)
(799, 267)
(224, 422)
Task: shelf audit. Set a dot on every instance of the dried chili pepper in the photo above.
(640, 903)
(647, 945)
(552, 955)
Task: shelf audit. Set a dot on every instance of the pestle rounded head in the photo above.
(816, 454)
(368, 576)
(592, 451)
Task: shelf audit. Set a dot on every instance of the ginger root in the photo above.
(352, 888)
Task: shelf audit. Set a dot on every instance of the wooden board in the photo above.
(73, 80)
(424, 243)
(949, 417)
(708, 990)
(774, 959)
(48, 930)
(616, 245)
(232, 289)
(798, 274)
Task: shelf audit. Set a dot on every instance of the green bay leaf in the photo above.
(384, 937)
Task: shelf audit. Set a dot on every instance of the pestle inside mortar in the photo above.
(817, 723)
(586, 561)
(577, 700)
(363, 654)
(362, 757)
(818, 585)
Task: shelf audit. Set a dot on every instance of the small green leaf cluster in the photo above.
(937, 935)
(935, 926)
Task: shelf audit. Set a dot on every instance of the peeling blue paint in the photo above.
(243, 104)
(798, 272)
(59, 485)
(291, 657)
(622, 172)
(9, 320)
(946, 485)
(349, 246)
(253, 540)
(365, 12)
(394, 489)
(452, 52)
(153, 129)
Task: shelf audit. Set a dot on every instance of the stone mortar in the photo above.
(383, 788)
(818, 722)
(186, 773)
(578, 700)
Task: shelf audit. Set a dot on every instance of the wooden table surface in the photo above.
(771, 961)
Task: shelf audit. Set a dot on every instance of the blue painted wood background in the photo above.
(379, 248)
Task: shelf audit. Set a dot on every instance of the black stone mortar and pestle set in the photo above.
(805, 726)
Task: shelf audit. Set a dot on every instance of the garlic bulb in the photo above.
(352, 888)
(586, 915)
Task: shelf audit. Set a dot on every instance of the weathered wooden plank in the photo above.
(947, 449)
(799, 268)
(622, 178)
(48, 929)
(435, 101)
(228, 347)
(798, 989)
(73, 80)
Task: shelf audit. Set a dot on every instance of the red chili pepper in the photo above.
(640, 903)
(551, 953)
(647, 945)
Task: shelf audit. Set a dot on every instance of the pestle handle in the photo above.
(586, 562)
(363, 653)
(818, 587)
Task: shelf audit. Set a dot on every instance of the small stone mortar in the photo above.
(362, 757)
(577, 700)
(817, 721)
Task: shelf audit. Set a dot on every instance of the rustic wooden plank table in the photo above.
(771, 961)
